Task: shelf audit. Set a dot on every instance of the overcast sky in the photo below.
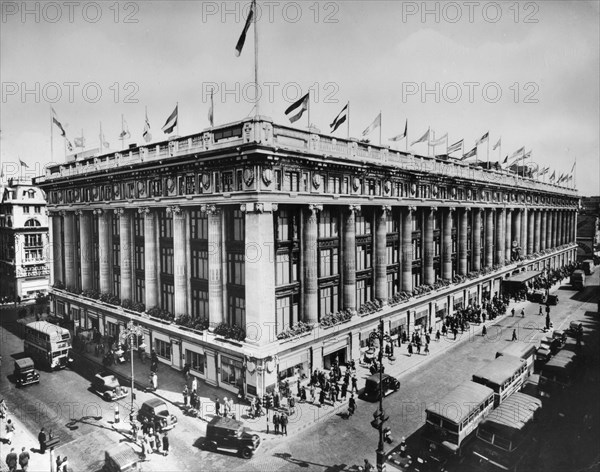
(527, 72)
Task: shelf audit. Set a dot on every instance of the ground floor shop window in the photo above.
(163, 349)
(330, 359)
(301, 371)
(112, 329)
(458, 304)
(231, 371)
(195, 360)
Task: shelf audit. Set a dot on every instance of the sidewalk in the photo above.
(171, 381)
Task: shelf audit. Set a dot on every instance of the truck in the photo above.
(588, 266)
(578, 279)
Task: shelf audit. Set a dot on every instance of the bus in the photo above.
(451, 421)
(48, 344)
(503, 439)
(588, 266)
(559, 373)
(504, 375)
(522, 350)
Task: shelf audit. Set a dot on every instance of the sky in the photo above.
(526, 72)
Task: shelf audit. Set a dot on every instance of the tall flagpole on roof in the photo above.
(257, 106)
(51, 134)
(348, 119)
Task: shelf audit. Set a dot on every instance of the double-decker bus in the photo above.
(559, 373)
(452, 419)
(504, 375)
(523, 350)
(503, 438)
(48, 344)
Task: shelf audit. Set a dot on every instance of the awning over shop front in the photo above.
(293, 360)
(523, 277)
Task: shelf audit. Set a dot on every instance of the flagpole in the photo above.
(348, 118)
(177, 107)
(257, 107)
(51, 136)
(380, 127)
(429, 140)
(308, 109)
(488, 150)
(406, 136)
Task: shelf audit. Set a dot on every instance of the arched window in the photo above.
(32, 222)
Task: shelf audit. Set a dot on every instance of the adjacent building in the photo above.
(257, 252)
(23, 240)
(588, 229)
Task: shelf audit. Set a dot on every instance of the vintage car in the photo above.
(107, 386)
(230, 434)
(552, 300)
(538, 296)
(575, 328)
(25, 373)
(375, 385)
(155, 410)
(121, 459)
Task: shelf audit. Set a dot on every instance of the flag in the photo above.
(573, 168)
(471, 153)
(455, 147)
(295, 111)
(69, 145)
(103, 142)
(125, 134)
(402, 136)
(211, 110)
(58, 123)
(376, 124)
(339, 119)
(527, 155)
(423, 138)
(517, 153)
(439, 141)
(482, 139)
(505, 160)
(569, 178)
(497, 145)
(146, 134)
(80, 142)
(553, 176)
(544, 171)
(23, 164)
(240, 44)
(171, 122)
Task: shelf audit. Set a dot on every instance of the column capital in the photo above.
(145, 211)
(433, 209)
(353, 208)
(174, 210)
(386, 209)
(212, 209)
(99, 211)
(314, 208)
(79, 212)
(259, 207)
(451, 209)
(467, 209)
(411, 208)
(64, 212)
(119, 211)
(51, 213)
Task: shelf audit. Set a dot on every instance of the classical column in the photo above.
(462, 241)
(179, 261)
(260, 272)
(86, 248)
(530, 231)
(517, 227)
(563, 226)
(349, 258)
(311, 300)
(57, 248)
(69, 241)
(104, 249)
(550, 233)
(575, 214)
(429, 274)
(125, 250)
(543, 230)
(215, 264)
(381, 216)
(447, 244)
(407, 250)
(538, 231)
(489, 237)
(150, 259)
(476, 243)
(524, 241)
(500, 227)
(508, 235)
(559, 227)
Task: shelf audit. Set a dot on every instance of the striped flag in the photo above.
(125, 134)
(455, 147)
(573, 168)
(482, 139)
(517, 153)
(295, 111)
(376, 124)
(422, 139)
(400, 137)
(437, 142)
(471, 153)
(171, 122)
(339, 119)
(146, 134)
(553, 176)
(23, 164)
(505, 161)
(497, 145)
(240, 44)
(211, 110)
(544, 171)
(80, 142)
(63, 133)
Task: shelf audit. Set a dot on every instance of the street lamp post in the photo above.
(379, 415)
(130, 333)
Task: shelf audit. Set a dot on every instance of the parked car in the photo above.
(561, 336)
(25, 373)
(230, 434)
(538, 296)
(575, 328)
(121, 459)
(108, 387)
(552, 300)
(155, 410)
(374, 386)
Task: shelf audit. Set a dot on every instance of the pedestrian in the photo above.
(58, 463)
(64, 465)
(195, 385)
(3, 409)
(344, 390)
(158, 442)
(267, 424)
(24, 459)
(427, 338)
(547, 321)
(484, 331)
(514, 335)
(418, 348)
(276, 422)
(321, 397)
(351, 405)
(541, 312)
(303, 394)
(292, 404)
(165, 444)
(185, 396)
(11, 460)
(312, 393)
(225, 407)
(354, 384)
(217, 406)
(522, 312)
(426, 348)
(512, 312)
(410, 349)
(437, 335)
(283, 420)
(10, 431)
(298, 386)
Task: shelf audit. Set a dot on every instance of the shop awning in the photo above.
(523, 276)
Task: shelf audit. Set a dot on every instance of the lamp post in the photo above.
(379, 417)
(130, 333)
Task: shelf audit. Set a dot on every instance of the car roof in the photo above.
(109, 380)
(375, 377)
(225, 423)
(24, 363)
(154, 402)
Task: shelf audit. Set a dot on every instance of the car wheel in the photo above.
(107, 396)
(247, 453)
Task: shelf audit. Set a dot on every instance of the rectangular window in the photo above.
(392, 284)
(140, 289)
(363, 257)
(199, 303)
(392, 253)
(139, 257)
(363, 225)
(287, 311)
(235, 269)
(199, 225)
(283, 226)
(166, 224)
(117, 283)
(227, 181)
(138, 223)
(363, 292)
(195, 360)
(328, 262)
(237, 311)
(166, 260)
(283, 264)
(37, 209)
(163, 349)
(328, 301)
(25, 208)
(328, 224)
(237, 227)
(168, 297)
(232, 371)
(199, 264)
